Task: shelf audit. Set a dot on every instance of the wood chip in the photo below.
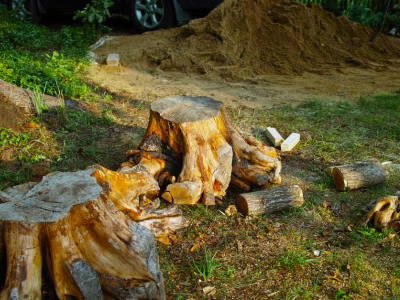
(209, 290)
(270, 229)
(231, 210)
(31, 125)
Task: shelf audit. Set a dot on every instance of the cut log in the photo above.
(190, 139)
(268, 201)
(88, 222)
(360, 174)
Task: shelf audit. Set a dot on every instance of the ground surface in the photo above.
(247, 53)
(264, 257)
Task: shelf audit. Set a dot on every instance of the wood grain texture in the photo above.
(268, 201)
(202, 151)
(360, 174)
(102, 242)
(24, 261)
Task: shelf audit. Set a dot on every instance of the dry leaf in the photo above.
(209, 290)
(31, 125)
(195, 247)
(326, 233)
(270, 229)
(163, 240)
(240, 245)
(173, 238)
(231, 210)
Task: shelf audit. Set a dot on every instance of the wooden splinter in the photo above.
(191, 139)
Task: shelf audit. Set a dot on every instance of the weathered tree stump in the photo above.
(383, 214)
(268, 201)
(193, 151)
(85, 227)
(360, 174)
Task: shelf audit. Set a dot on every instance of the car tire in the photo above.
(159, 14)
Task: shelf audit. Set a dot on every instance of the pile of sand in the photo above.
(242, 38)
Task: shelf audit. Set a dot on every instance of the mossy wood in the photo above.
(360, 174)
(193, 151)
(268, 201)
(89, 231)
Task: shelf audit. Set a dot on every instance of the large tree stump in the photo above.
(269, 201)
(86, 225)
(193, 150)
(360, 174)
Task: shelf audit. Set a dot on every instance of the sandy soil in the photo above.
(255, 53)
(256, 92)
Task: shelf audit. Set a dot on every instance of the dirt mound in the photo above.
(247, 37)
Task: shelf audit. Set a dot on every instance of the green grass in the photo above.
(35, 57)
(293, 258)
(204, 266)
(28, 147)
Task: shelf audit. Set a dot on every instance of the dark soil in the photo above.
(10, 115)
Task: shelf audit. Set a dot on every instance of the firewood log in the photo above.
(268, 201)
(360, 174)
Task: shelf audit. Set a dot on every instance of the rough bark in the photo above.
(89, 223)
(360, 174)
(268, 201)
(193, 151)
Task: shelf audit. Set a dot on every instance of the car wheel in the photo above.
(150, 14)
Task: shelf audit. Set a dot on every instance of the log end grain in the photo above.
(338, 179)
(242, 205)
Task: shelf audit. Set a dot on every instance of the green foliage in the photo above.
(95, 13)
(24, 145)
(25, 64)
(8, 178)
(358, 12)
(19, 10)
(35, 72)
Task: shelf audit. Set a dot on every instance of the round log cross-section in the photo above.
(193, 151)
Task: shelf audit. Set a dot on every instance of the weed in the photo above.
(8, 178)
(340, 295)
(39, 106)
(205, 266)
(30, 147)
(292, 259)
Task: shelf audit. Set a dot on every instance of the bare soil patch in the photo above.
(10, 115)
